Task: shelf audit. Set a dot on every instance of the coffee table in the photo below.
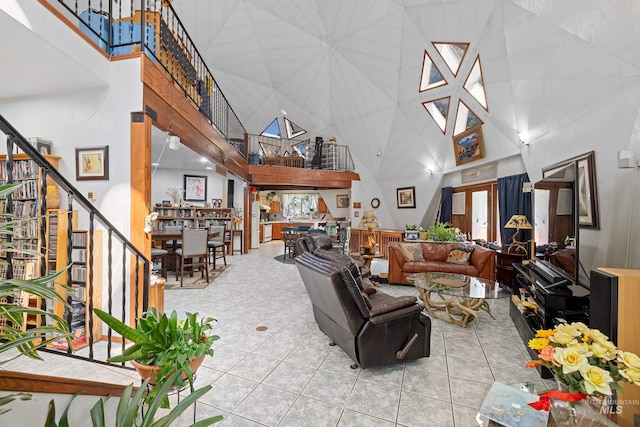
(460, 296)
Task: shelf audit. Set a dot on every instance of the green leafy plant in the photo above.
(411, 227)
(130, 407)
(443, 232)
(165, 342)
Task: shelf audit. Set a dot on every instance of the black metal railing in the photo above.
(121, 287)
(155, 28)
(299, 153)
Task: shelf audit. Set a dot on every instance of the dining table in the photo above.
(165, 236)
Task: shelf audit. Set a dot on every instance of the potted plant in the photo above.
(164, 344)
(443, 232)
(411, 232)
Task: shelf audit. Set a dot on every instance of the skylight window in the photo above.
(475, 84)
(273, 130)
(452, 54)
(293, 129)
(431, 76)
(439, 110)
(465, 118)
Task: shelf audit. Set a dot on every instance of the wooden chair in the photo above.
(342, 244)
(159, 254)
(194, 252)
(289, 235)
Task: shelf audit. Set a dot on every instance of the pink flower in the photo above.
(547, 355)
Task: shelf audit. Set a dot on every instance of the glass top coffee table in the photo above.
(456, 298)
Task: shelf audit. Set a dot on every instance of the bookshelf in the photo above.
(25, 208)
(198, 217)
(83, 295)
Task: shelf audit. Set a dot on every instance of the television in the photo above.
(556, 225)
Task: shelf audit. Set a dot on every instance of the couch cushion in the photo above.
(412, 251)
(367, 286)
(460, 255)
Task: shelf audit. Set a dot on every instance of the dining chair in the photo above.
(289, 235)
(194, 252)
(342, 244)
(217, 248)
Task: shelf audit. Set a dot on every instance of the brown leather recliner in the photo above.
(374, 330)
(311, 242)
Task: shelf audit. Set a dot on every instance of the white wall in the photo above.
(165, 178)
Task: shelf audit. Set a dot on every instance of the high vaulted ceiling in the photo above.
(351, 69)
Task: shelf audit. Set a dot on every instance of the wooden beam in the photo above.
(301, 177)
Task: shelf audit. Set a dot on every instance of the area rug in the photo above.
(286, 259)
(195, 282)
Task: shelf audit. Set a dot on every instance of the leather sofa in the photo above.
(374, 330)
(482, 262)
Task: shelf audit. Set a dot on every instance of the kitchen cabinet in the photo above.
(322, 206)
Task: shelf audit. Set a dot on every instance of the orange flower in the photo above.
(547, 354)
(534, 363)
(544, 333)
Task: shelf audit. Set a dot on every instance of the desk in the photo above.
(460, 296)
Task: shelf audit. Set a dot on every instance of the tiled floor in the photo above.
(288, 375)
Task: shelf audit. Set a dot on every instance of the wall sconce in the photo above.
(524, 137)
(174, 142)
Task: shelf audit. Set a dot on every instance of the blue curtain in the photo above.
(512, 201)
(446, 201)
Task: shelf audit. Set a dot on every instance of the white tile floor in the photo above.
(288, 375)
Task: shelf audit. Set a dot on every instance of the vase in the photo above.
(581, 413)
(411, 235)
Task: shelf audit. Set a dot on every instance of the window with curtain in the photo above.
(299, 205)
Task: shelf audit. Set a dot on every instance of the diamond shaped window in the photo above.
(439, 111)
(431, 76)
(452, 54)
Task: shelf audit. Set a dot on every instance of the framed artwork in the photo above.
(587, 195)
(357, 205)
(43, 146)
(406, 197)
(92, 163)
(342, 200)
(195, 188)
(375, 203)
(468, 146)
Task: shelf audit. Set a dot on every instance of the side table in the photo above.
(504, 266)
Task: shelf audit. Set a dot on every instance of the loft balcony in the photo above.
(280, 163)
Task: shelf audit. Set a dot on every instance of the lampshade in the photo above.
(519, 222)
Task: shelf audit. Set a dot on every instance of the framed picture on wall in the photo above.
(342, 200)
(468, 146)
(195, 188)
(92, 163)
(406, 197)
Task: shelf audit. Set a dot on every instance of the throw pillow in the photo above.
(412, 251)
(460, 255)
(367, 286)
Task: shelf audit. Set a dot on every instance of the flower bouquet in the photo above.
(584, 362)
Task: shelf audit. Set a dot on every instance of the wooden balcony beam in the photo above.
(300, 177)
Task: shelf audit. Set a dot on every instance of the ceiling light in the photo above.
(203, 160)
(155, 164)
(284, 113)
(209, 168)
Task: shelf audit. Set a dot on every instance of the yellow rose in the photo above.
(629, 359)
(596, 380)
(568, 329)
(632, 375)
(597, 335)
(583, 348)
(602, 352)
(538, 343)
(562, 338)
(580, 327)
(570, 359)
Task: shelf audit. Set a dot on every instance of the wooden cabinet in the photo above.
(25, 207)
(322, 206)
(274, 206)
(504, 266)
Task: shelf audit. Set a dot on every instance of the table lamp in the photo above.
(518, 222)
